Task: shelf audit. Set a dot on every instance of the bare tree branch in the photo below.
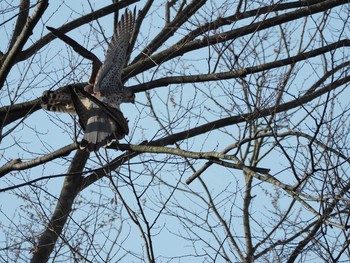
(181, 49)
(170, 28)
(17, 164)
(242, 72)
(12, 55)
(21, 21)
(70, 189)
(96, 63)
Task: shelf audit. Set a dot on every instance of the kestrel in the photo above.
(102, 120)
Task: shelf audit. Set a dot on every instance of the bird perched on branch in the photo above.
(99, 113)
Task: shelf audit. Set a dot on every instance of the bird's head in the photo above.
(128, 96)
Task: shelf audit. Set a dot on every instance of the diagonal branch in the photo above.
(242, 72)
(96, 63)
(222, 21)
(213, 156)
(311, 235)
(9, 114)
(182, 48)
(70, 190)
(170, 29)
(250, 116)
(18, 165)
(21, 21)
(12, 55)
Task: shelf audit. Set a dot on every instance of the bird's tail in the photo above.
(98, 132)
(101, 130)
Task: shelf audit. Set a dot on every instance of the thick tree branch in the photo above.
(240, 73)
(213, 156)
(9, 114)
(222, 21)
(170, 28)
(70, 190)
(18, 165)
(251, 116)
(21, 21)
(182, 48)
(12, 55)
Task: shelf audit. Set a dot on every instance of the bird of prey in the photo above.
(99, 113)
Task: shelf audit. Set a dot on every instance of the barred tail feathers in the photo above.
(99, 132)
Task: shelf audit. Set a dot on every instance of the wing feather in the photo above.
(59, 100)
(109, 75)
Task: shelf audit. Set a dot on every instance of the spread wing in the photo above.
(109, 75)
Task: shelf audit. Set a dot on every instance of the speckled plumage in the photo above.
(109, 77)
(100, 128)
